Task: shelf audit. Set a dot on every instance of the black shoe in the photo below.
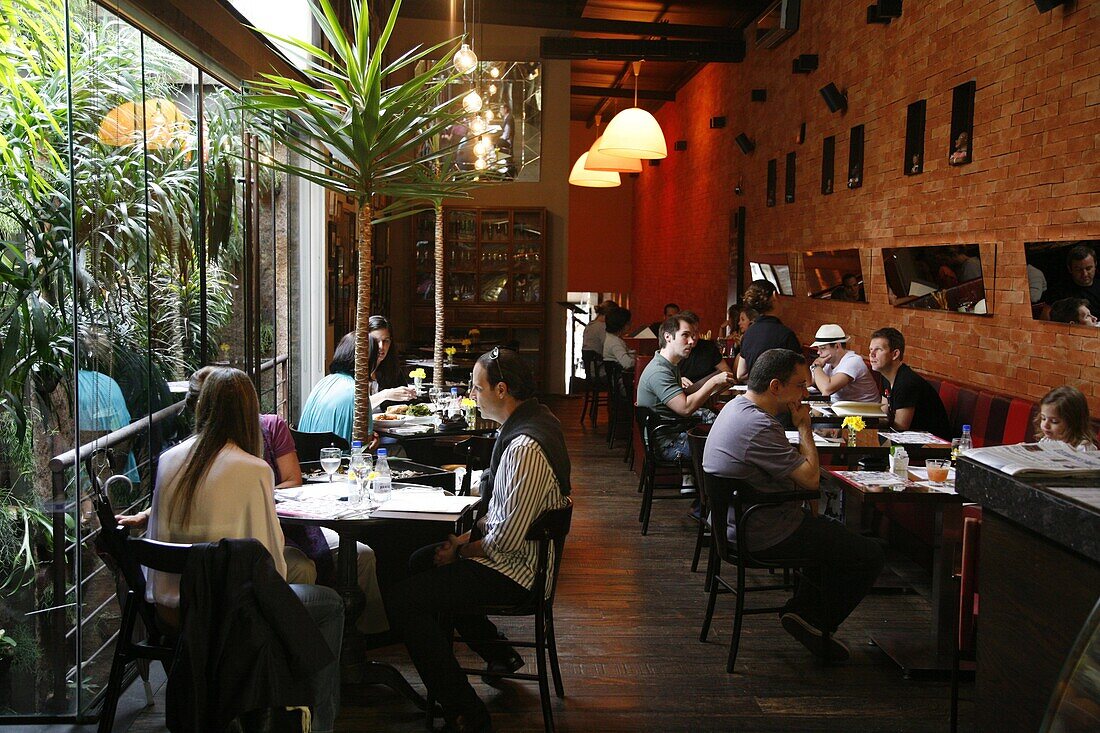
(473, 721)
(496, 667)
(812, 638)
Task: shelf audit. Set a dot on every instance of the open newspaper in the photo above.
(1051, 458)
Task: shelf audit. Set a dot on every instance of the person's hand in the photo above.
(820, 362)
(447, 552)
(800, 415)
(398, 394)
(135, 521)
(685, 382)
(722, 380)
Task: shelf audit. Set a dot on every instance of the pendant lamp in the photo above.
(598, 161)
(465, 60)
(472, 102)
(634, 133)
(592, 179)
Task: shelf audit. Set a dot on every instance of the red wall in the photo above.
(1035, 176)
(600, 227)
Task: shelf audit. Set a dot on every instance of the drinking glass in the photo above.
(938, 470)
(330, 461)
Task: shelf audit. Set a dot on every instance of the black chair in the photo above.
(595, 390)
(549, 530)
(127, 555)
(479, 453)
(650, 424)
(620, 403)
(697, 439)
(309, 445)
(722, 494)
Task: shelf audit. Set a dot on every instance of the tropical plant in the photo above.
(374, 136)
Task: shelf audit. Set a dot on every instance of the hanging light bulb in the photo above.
(480, 164)
(482, 147)
(634, 133)
(477, 124)
(494, 72)
(492, 89)
(592, 179)
(472, 102)
(488, 115)
(465, 59)
(598, 161)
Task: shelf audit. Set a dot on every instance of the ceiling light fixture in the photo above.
(634, 133)
(582, 175)
(600, 161)
(465, 60)
(472, 102)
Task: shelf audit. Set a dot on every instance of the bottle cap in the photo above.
(356, 444)
(966, 428)
(454, 390)
(382, 453)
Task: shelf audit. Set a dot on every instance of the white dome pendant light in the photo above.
(634, 133)
(599, 161)
(582, 175)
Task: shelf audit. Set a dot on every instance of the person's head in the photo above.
(379, 327)
(850, 282)
(228, 412)
(1081, 263)
(732, 312)
(745, 317)
(605, 307)
(1064, 415)
(501, 379)
(830, 342)
(781, 375)
(617, 319)
(505, 110)
(887, 349)
(760, 296)
(194, 387)
(1072, 310)
(671, 309)
(343, 357)
(678, 335)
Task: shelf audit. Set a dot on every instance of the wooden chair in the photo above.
(479, 452)
(595, 386)
(620, 403)
(549, 530)
(722, 494)
(649, 423)
(309, 445)
(966, 639)
(697, 439)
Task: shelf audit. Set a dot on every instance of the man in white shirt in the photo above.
(493, 564)
(839, 373)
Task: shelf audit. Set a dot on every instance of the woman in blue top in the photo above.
(330, 407)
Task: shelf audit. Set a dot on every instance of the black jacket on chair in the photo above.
(247, 642)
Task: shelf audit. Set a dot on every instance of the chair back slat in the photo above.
(165, 557)
(309, 445)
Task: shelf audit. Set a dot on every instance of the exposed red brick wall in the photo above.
(1035, 176)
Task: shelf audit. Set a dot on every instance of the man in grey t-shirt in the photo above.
(748, 443)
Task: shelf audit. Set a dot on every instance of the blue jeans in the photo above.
(326, 608)
(674, 446)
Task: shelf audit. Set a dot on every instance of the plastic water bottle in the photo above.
(900, 463)
(359, 470)
(965, 443)
(454, 407)
(383, 480)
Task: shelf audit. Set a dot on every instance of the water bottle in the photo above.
(454, 407)
(359, 470)
(900, 463)
(383, 482)
(356, 462)
(965, 443)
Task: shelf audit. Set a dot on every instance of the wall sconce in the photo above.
(834, 98)
(759, 95)
(1047, 5)
(805, 63)
(883, 11)
(717, 123)
(743, 142)
(680, 145)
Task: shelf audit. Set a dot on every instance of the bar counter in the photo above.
(1038, 580)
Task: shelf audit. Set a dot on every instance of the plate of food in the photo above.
(389, 420)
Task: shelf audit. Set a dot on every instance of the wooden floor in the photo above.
(628, 615)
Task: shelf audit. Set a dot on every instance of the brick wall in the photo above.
(1035, 176)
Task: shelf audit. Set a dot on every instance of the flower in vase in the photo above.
(417, 373)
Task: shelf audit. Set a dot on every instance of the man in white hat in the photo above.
(839, 373)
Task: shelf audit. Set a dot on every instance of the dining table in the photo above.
(419, 438)
(913, 651)
(415, 515)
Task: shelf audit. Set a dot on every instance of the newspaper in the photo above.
(862, 409)
(819, 440)
(911, 437)
(1051, 458)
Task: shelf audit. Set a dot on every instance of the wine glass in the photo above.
(330, 461)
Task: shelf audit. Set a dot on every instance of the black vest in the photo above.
(537, 422)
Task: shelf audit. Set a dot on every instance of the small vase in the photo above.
(852, 435)
(471, 416)
(418, 383)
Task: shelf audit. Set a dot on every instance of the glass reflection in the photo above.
(835, 275)
(938, 277)
(1062, 281)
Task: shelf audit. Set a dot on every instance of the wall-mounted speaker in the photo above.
(717, 122)
(759, 95)
(680, 145)
(743, 142)
(834, 98)
(804, 64)
(873, 16)
(883, 11)
(1048, 5)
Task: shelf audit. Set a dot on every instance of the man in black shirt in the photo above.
(1081, 264)
(913, 403)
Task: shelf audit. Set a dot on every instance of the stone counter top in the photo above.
(1065, 510)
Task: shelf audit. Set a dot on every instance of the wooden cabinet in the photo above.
(495, 277)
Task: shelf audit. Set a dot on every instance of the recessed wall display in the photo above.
(828, 156)
(962, 124)
(938, 277)
(914, 138)
(773, 173)
(788, 182)
(855, 157)
(775, 269)
(1063, 285)
(834, 275)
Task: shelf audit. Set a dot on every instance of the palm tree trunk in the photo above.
(361, 424)
(437, 352)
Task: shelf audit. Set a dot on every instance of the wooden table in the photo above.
(913, 651)
(350, 531)
(418, 445)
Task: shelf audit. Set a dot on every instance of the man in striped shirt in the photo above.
(493, 564)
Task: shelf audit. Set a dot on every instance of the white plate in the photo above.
(389, 423)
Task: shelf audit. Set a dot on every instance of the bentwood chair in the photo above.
(654, 468)
(595, 391)
(620, 403)
(549, 530)
(309, 445)
(722, 495)
(697, 440)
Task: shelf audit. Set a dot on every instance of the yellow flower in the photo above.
(467, 402)
(450, 351)
(466, 343)
(854, 422)
(474, 332)
(417, 373)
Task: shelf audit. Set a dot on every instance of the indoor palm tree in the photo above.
(376, 134)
